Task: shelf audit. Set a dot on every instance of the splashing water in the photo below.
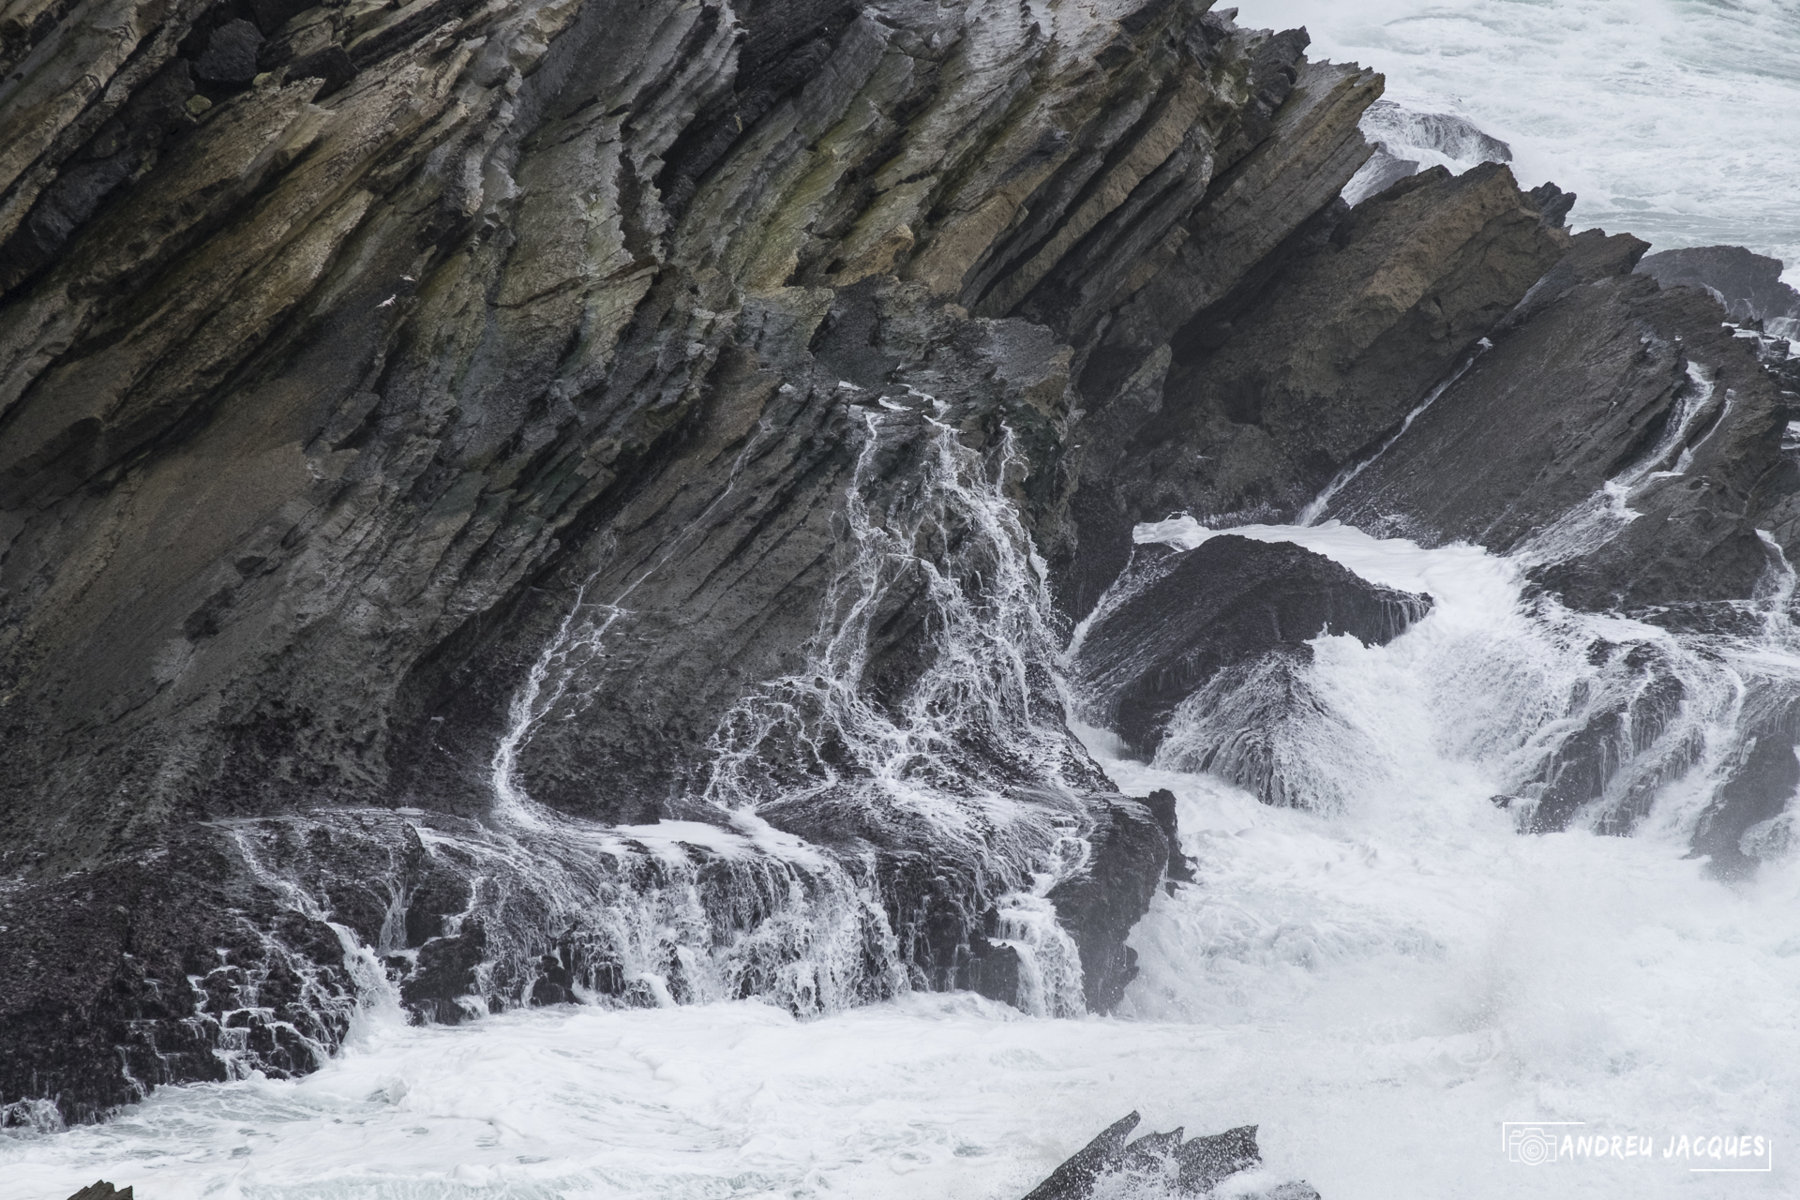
(965, 758)
(728, 905)
(1670, 119)
(1379, 987)
(974, 722)
(1380, 975)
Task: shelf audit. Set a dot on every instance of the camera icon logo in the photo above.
(1533, 1143)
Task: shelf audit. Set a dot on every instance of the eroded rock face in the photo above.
(1185, 616)
(419, 420)
(1613, 381)
(1312, 361)
(465, 468)
(1747, 285)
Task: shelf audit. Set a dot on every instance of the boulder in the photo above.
(1161, 1165)
(1748, 819)
(1184, 616)
(1261, 724)
(1129, 855)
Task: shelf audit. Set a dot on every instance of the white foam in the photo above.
(1670, 119)
(1378, 988)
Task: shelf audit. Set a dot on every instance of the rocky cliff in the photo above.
(538, 498)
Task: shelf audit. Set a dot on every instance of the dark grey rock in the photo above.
(1255, 218)
(1076, 1176)
(102, 1190)
(1161, 804)
(1261, 724)
(472, 332)
(1554, 203)
(1593, 386)
(1743, 824)
(1627, 740)
(230, 54)
(446, 973)
(1160, 1165)
(1746, 284)
(1302, 369)
(1099, 904)
(326, 412)
(1185, 616)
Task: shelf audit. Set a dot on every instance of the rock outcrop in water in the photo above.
(1746, 284)
(462, 460)
(544, 499)
(1161, 1165)
(1612, 380)
(1272, 387)
(1183, 616)
(102, 1190)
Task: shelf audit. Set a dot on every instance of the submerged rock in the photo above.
(1182, 617)
(102, 1190)
(1161, 1165)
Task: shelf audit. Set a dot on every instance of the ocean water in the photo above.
(1676, 120)
(1379, 987)
(1406, 995)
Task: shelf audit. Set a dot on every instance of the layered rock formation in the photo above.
(1182, 617)
(544, 498)
(1163, 1164)
(1746, 284)
(1268, 389)
(426, 427)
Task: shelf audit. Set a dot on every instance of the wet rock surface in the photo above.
(1613, 381)
(469, 468)
(1162, 1165)
(1405, 137)
(1747, 285)
(377, 385)
(1309, 363)
(1132, 850)
(1185, 616)
(102, 1190)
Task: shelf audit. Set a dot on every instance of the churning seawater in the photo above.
(1379, 987)
(1676, 120)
